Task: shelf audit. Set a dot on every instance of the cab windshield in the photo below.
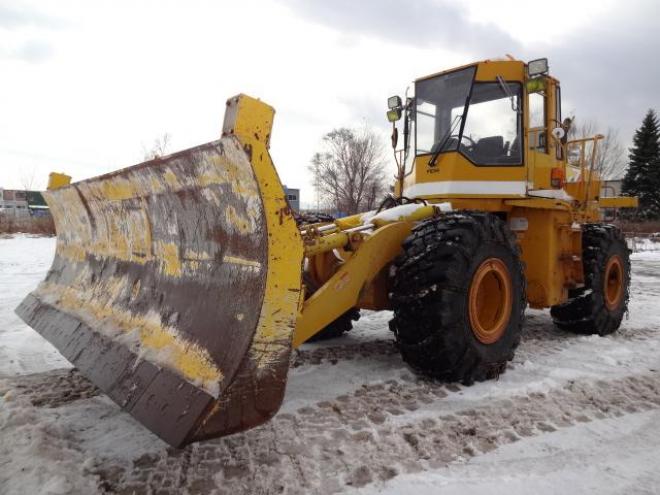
(481, 120)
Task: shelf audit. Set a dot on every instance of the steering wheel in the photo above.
(446, 143)
(471, 143)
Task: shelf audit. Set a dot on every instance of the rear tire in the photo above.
(344, 323)
(600, 307)
(458, 294)
(338, 327)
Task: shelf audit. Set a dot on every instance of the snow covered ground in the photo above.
(572, 414)
(24, 262)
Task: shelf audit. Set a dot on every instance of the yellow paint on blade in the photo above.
(117, 189)
(158, 342)
(71, 252)
(171, 179)
(191, 360)
(193, 255)
(224, 169)
(168, 252)
(272, 339)
(241, 223)
(235, 260)
(109, 217)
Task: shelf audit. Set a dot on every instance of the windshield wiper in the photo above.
(444, 139)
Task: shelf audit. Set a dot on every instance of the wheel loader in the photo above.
(181, 285)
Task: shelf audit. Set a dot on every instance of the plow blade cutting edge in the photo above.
(176, 283)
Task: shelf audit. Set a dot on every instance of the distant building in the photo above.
(14, 203)
(18, 203)
(293, 196)
(37, 204)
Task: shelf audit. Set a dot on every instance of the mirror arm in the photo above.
(507, 91)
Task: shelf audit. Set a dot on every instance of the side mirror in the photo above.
(558, 133)
(394, 115)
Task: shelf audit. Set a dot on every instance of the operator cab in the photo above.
(480, 120)
(486, 129)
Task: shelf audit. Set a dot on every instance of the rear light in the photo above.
(557, 178)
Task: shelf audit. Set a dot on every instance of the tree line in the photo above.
(642, 177)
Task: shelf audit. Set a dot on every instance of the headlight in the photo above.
(536, 67)
(394, 102)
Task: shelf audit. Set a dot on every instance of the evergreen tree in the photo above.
(642, 178)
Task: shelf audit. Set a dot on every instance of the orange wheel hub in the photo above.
(489, 300)
(613, 283)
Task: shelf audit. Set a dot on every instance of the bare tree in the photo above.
(27, 178)
(610, 153)
(27, 181)
(159, 147)
(349, 172)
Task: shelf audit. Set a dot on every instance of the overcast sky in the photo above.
(86, 85)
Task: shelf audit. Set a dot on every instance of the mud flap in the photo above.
(176, 284)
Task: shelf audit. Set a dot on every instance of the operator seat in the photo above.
(490, 149)
(514, 150)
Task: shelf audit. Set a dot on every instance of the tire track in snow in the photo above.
(335, 353)
(363, 437)
(58, 387)
(540, 338)
(50, 389)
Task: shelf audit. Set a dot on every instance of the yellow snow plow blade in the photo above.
(176, 283)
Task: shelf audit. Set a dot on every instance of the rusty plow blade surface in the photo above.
(167, 289)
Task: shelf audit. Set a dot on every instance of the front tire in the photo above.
(600, 307)
(458, 294)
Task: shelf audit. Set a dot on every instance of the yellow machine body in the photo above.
(547, 219)
(177, 284)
